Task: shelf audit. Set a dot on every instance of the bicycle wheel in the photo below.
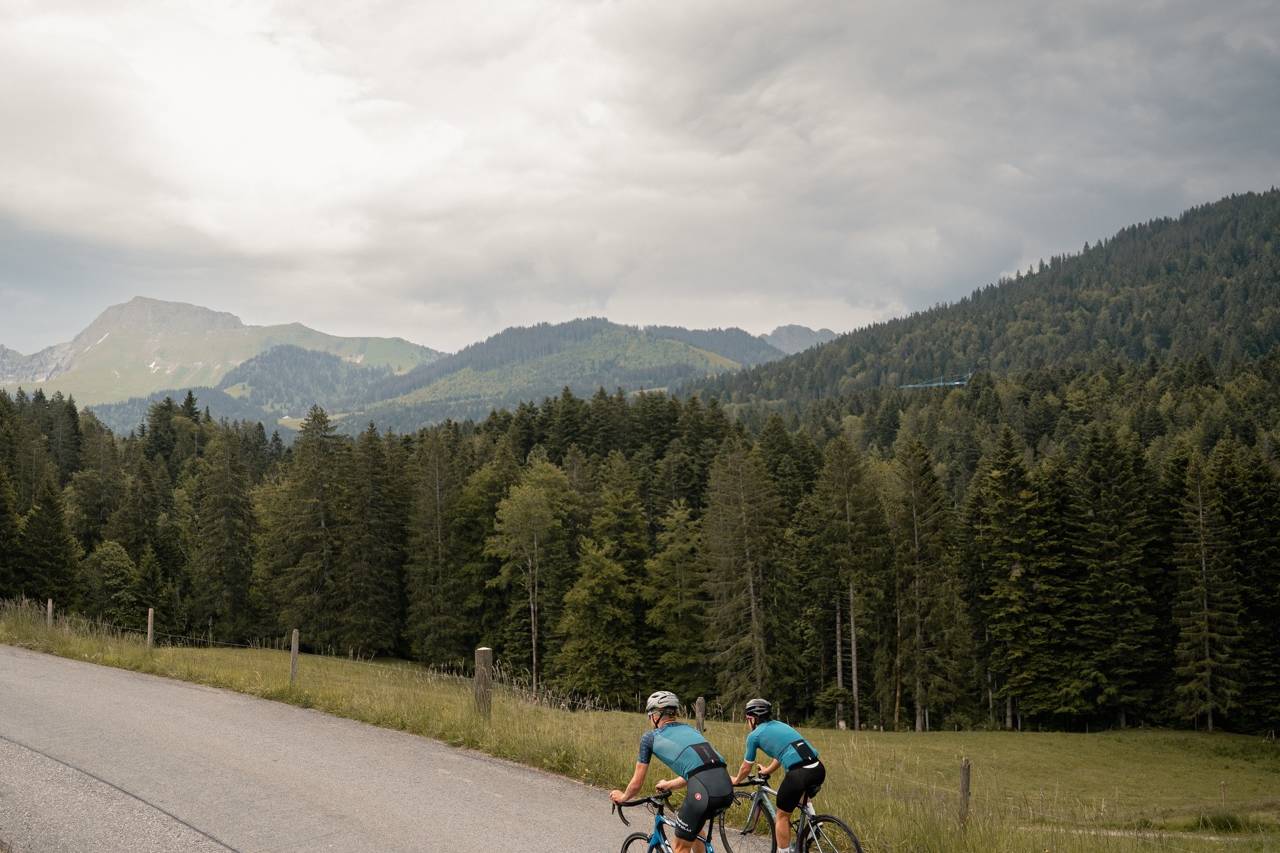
(828, 834)
(638, 842)
(741, 831)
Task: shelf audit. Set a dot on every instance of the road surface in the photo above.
(100, 759)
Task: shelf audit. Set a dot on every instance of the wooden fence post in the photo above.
(965, 768)
(151, 627)
(483, 686)
(48, 614)
(293, 659)
(700, 709)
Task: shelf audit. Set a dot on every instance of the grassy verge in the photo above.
(1137, 790)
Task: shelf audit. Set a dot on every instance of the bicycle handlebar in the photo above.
(658, 799)
(753, 782)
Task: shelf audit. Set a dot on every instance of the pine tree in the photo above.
(599, 655)
(739, 535)
(676, 595)
(1208, 609)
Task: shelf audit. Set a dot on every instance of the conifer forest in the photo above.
(1082, 536)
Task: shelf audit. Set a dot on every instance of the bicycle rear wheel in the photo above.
(745, 831)
(828, 834)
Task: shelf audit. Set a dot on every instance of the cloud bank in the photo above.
(440, 171)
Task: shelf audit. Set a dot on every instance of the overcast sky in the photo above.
(440, 171)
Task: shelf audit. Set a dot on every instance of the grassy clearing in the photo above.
(1130, 791)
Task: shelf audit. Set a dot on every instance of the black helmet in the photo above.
(761, 709)
(663, 700)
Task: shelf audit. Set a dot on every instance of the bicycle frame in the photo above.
(658, 839)
(761, 802)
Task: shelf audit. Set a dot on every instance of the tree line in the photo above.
(1054, 548)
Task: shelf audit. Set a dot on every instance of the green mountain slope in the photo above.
(1206, 283)
(147, 345)
(516, 365)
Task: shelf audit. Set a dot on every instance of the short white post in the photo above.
(48, 614)
(151, 627)
(293, 659)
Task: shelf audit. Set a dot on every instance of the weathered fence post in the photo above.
(151, 627)
(700, 709)
(483, 686)
(293, 659)
(1223, 786)
(48, 614)
(965, 767)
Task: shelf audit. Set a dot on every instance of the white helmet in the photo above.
(663, 700)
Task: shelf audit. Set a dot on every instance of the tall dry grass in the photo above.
(1060, 792)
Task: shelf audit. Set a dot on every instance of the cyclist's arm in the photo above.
(633, 787)
(770, 768)
(743, 772)
(672, 784)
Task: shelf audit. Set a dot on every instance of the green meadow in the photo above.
(1114, 791)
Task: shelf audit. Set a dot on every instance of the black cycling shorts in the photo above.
(800, 781)
(709, 793)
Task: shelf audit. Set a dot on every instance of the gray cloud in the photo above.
(437, 173)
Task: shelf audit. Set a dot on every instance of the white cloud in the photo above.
(439, 170)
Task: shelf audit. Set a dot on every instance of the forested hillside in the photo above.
(1084, 544)
(1205, 283)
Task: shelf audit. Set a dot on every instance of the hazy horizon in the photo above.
(437, 174)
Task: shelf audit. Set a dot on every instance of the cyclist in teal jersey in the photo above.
(696, 764)
(788, 749)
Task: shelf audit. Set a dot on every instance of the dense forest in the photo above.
(1062, 549)
(1085, 535)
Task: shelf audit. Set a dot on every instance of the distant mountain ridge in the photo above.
(793, 339)
(145, 345)
(515, 365)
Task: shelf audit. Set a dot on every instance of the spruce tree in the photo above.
(1207, 610)
(48, 568)
(222, 542)
(111, 580)
(930, 633)
(10, 540)
(739, 536)
(599, 655)
(1112, 614)
(528, 537)
(675, 593)
(370, 567)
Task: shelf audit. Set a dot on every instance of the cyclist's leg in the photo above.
(794, 790)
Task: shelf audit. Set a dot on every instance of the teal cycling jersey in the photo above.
(778, 740)
(680, 747)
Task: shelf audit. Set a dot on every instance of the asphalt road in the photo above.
(100, 759)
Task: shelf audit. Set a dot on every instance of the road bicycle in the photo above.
(656, 842)
(817, 833)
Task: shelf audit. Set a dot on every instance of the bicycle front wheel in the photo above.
(638, 842)
(828, 834)
(744, 829)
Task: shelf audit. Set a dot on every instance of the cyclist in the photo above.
(693, 759)
(786, 746)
